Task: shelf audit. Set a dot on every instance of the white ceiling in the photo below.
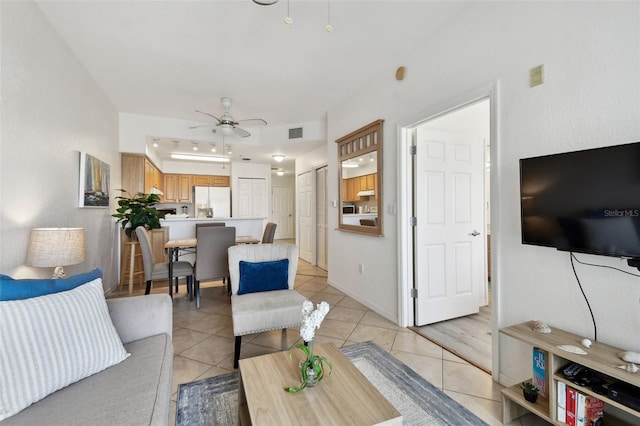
(170, 58)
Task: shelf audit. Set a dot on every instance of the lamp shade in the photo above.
(50, 247)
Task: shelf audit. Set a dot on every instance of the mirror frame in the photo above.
(365, 140)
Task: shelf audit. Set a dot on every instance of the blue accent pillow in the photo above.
(263, 276)
(11, 289)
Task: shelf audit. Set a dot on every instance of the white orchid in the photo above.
(311, 319)
(311, 367)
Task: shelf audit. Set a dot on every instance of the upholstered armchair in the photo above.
(262, 294)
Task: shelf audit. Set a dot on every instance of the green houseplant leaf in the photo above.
(137, 210)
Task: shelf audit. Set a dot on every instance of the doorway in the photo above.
(450, 241)
(321, 217)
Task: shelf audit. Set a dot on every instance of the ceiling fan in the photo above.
(228, 124)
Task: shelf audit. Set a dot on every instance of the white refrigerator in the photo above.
(216, 198)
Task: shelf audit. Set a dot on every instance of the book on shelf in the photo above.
(571, 406)
(577, 408)
(540, 371)
(562, 402)
(589, 410)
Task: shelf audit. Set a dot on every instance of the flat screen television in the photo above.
(583, 201)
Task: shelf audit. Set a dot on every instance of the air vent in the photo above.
(295, 133)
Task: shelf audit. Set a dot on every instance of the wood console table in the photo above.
(600, 358)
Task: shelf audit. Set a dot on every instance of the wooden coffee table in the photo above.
(344, 397)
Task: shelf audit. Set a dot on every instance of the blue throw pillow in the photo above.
(11, 289)
(263, 276)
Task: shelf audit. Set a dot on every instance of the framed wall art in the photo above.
(95, 178)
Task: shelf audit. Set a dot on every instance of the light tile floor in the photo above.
(203, 343)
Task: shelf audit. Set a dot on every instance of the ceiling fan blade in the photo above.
(241, 132)
(210, 115)
(253, 122)
(204, 125)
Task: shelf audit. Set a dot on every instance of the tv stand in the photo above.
(600, 358)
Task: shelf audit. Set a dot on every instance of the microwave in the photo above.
(348, 209)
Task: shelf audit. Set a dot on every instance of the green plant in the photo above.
(137, 210)
(530, 388)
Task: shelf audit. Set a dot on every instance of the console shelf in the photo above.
(600, 357)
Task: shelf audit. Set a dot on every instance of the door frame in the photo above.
(405, 205)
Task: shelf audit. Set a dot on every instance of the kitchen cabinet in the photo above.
(177, 188)
(371, 181)
(205, 180)
(363, 183)
(139, 174)
(152, 177)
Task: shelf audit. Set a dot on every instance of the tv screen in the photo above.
(583, 201)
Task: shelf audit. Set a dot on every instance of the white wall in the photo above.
(51, 110)
(590, 98)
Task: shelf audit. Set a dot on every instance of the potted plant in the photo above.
(530, 391)
(137, 210)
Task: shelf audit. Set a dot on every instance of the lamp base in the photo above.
(58, 272)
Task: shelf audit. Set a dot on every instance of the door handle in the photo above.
(474, 233)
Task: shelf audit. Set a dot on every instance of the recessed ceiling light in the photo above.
(195, 145)
(213, 147)
(155, 143)
(348, 165)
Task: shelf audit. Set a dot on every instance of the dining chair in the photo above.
(262, 295)
(211, 255)
(160, 271)
(269, 233)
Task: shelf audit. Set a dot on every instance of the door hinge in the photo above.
(414, 293)
(413, 221)
(413, 149)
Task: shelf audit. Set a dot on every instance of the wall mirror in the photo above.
(360, 177)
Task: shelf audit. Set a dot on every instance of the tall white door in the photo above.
(305, 216)
(321, 218)
(282, 214)
(252, 198)
(450, 230)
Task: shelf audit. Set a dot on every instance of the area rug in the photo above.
(214, 401)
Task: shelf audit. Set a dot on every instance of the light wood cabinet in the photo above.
(139, 174)
(177, 188)
(600, 358)
(351, 186)
(371, 181)
(205, 180)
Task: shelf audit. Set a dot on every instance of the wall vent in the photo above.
(295, 133)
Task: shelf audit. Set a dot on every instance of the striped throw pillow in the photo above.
(52, 341)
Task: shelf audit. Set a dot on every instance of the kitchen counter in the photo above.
(181, 227)
(354, 218)
(185, 227)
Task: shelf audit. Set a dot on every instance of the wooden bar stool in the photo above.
(131, 266)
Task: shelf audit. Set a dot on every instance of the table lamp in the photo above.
(56, 247)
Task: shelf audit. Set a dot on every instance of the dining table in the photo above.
(188, 245)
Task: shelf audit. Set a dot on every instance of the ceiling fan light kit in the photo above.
(228, 124)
